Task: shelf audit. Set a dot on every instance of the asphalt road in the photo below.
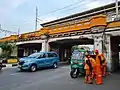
(52, 79)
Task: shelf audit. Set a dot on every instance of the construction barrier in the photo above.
(12, 60)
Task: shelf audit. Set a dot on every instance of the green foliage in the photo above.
(7, 49)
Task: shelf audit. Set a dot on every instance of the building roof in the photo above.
(87, 13)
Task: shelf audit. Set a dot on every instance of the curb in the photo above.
(9, 65)
(14, 65)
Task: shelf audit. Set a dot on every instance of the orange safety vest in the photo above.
(103, 58)
(98, 61)
(92, 61)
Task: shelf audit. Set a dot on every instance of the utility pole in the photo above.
(36, 18)
(117, 12)
(18, 31)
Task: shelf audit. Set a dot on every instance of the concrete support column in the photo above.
(99, 45)
(0, 51)
(26, 51)
(108, 52)
(98, 42)
(45, 46)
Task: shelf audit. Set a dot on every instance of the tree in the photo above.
(7, 49)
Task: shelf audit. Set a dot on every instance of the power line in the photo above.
(76, 7)
(63, 8)
(7, 31)
(69, 9)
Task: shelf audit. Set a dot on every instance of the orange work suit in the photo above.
(98, 69)
(89, 69)
(93, 67)
(104, 66)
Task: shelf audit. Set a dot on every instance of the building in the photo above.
(98, 27)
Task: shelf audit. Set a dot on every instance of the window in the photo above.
(77, 55)
(43, 55)
(34, 55)
(52, 55)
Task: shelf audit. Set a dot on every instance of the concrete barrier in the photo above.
(10, 61)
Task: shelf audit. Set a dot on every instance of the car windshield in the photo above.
(77, 55)
(35, 55)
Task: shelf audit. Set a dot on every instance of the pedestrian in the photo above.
(104, 65)
(89, 68)
(98, 68)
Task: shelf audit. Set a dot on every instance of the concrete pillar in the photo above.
(26, 51)
(108, 52)
(0, 51)
(45, 46)
(14, 52)
(98, 42)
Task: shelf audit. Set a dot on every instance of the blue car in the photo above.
(39, 60)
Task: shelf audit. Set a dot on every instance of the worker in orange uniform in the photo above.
(104, 66)
(98, 68)
(89, 67)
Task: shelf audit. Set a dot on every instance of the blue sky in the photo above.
(16, 14)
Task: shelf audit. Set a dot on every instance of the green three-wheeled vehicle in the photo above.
(77, 62)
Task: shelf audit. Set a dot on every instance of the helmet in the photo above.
(96, 51)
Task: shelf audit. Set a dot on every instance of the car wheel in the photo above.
(33, 68)
(55, 65)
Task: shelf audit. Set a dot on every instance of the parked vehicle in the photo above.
(77, 63)
(1, 65)
(39, 60)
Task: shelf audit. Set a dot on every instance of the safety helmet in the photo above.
(96, 51)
